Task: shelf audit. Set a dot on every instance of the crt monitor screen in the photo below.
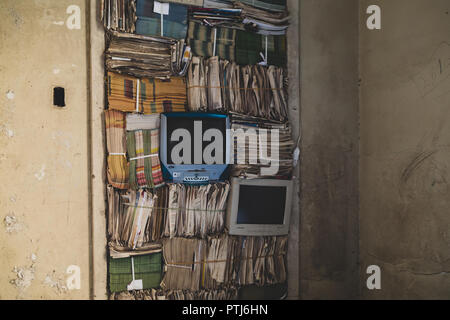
(261, 204)
(173, 123)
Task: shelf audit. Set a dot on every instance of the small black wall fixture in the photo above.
(59, 97)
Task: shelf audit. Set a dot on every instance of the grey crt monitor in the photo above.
(259, 207)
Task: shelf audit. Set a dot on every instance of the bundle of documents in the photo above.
(266, 22)
(269, 5)
(118, 15)
(258, 143)
(183, 262)
(229, 293)
(225, 17)
(196, 211)
(220, 262)
(219, 259)
(259, 260)
(137, 272)
(255, 90)
(116, 146)
(204, 85)
(218, 3)
(135, 220)
(131, 94)
(161, 19)
(146, 56)
(244, 261)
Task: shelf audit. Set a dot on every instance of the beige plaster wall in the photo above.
(43, 151)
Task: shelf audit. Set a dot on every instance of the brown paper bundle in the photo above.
(196, 210)
(252, 90)
(229, 293)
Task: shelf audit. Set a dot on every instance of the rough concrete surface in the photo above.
(404, 171)
(329, 149)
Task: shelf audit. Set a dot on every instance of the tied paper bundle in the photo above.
(229, 293)
(265, 22)
(204, 85)
(269, 5)
(154, 95)
(218, 4)
(207, 42)
(118, 15)
(146, 56)
(218, 262)
(253, 48)
(143, 149)
(183, 261)
(259, 260)
(133, 223)
(145, 167)
(256, 90)
(196, 211)
(262, 148)
(213, 17)
(150, 16)
(143, 268)
(118, 170)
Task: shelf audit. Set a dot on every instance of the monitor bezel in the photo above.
(190, 167)
(257, 229)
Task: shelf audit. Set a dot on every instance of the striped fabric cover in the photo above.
(145, 171)
(116, 145)
(201, 40)
(155, 95)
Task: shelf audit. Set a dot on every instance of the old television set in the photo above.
(194, 146)
(259, 207)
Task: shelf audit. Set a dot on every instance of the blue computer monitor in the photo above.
(194, 146)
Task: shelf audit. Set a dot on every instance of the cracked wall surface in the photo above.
(405, 151)
(43, 154)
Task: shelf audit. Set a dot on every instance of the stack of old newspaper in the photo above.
(261, 147)
(196, 211)
(223, 261)
(219, 85)
(146, 56)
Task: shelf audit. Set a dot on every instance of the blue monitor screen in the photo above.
(187, 123)
(261, 204)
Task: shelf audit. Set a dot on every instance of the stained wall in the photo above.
(404, 167)
(44, 194)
